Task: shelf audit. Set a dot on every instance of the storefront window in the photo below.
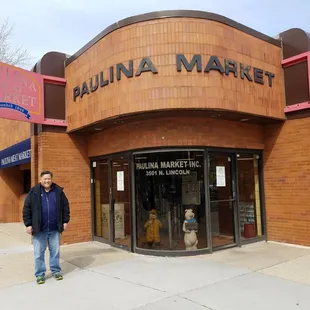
(170, 200)
(170, 207)
(249, 196)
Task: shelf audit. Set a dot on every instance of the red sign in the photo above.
(21, 94)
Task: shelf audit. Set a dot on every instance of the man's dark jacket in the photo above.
(32, 211)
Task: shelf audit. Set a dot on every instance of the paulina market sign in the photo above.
(252, 74)
(21, 94)
(178, 167)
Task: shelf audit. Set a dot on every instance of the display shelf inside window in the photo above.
(247, 214)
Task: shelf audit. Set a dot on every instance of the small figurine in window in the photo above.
(190, 228)
(153, 226)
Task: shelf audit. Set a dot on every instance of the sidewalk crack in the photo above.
(196, 303)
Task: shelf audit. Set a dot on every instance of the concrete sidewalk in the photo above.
(259, 276)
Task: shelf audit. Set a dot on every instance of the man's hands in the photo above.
(29, 230)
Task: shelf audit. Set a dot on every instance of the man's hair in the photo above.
(46, 172)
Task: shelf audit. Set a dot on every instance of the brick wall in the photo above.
(176, 132)
(34, 160)
(12, 132)
(160, 40)
(287, 176)
(11, 182)
(70, 165)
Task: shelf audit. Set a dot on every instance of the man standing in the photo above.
(46, 215)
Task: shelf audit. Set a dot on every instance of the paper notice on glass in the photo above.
(220, 176)
(120, 181)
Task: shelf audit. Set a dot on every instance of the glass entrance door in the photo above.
(222, 199)
(101, 201)
(111, 201)
(120, 204)
(249, 193)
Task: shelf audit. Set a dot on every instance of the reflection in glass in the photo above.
(170, 200)
(249, 196)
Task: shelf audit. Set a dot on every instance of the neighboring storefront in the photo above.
(174, 135)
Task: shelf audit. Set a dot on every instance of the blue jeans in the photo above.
(40, 241)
